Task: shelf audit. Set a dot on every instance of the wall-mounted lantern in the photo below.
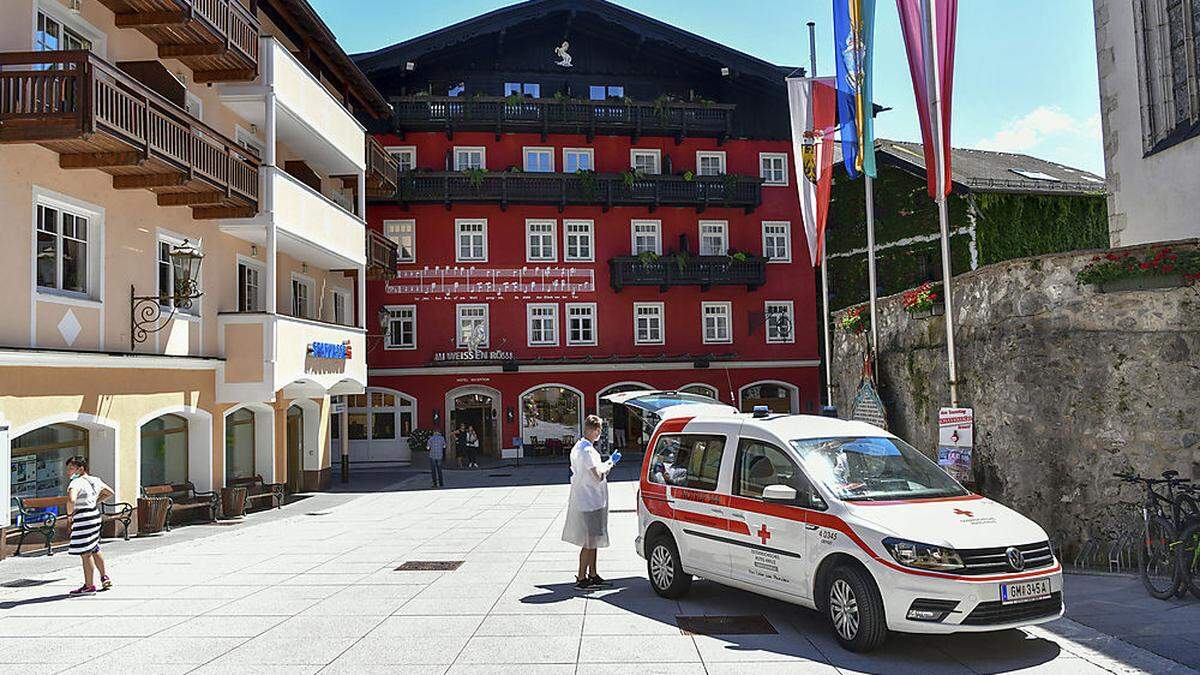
(145, 311)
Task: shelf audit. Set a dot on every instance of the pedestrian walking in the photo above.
(472, 447)
(437, 451)
(587, 508)
(84, 495)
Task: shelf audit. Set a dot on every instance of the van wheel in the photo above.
(665, 570)
(855, 609)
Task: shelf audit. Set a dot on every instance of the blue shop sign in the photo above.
(329, 350)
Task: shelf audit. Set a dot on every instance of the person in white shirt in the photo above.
(587, 510)
(84, 495)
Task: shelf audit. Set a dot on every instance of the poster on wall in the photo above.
(956, 441)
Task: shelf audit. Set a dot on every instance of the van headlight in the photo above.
(923, 556)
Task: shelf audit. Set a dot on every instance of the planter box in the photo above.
(937, 309)
(1142, 283)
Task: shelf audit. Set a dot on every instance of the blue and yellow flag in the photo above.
(854, 46)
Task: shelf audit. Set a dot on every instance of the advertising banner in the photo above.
(956, 440)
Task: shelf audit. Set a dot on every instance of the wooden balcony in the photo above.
(674, 270)
(97, 117)
(383, 171)
(381, 255)
(582, 188)
(549, 115)
(217, 39)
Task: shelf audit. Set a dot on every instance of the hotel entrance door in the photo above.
(476, 412)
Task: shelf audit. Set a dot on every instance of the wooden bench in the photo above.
(259, 490)
(184, 498)
(43, 515)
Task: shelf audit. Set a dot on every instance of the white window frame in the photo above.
(727, 312)
(791, 315)
(399, 151)
(530, 223)
(787, 240)
(589, 236)
(172, 240)
(260, 295)
(530, 308)
(655, 153)
(397, 236)
(396, 315)
(458, 324)
(341, 295)
(75, 22)
(704, 154)
(539, 149)
(659, 313)
(591, 309)
(780, 157)
(464, 149)
(633, 235)
(94, 291)
(724, 226)
(309, 285)
(589, 152)
(458, 233)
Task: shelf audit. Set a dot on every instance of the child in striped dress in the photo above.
(84, 494)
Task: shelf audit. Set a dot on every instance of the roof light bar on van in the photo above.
(923, 556)
(761, 411)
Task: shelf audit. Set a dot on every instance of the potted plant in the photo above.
(587, 183)
(921, 302)
(1127, 271)
(648, 258)
(474, 176)
(854, 321)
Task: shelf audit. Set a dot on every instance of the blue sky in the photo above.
(1025, 75)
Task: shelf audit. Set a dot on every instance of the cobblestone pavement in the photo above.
(316, 590)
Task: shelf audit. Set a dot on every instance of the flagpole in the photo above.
(870, 188)
(812, 60)
(933, 78)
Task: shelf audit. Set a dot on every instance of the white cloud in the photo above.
(1042, 124)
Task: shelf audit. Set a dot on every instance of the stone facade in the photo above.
(1068, 386)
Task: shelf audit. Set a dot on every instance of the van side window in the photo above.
(687, 460)
(760, 464)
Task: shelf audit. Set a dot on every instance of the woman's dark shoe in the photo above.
(584, 584)
(105, 583)
(83, 590)
(597, 582)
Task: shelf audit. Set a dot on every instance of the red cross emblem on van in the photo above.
(764, 533)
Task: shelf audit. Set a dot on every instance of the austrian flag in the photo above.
(813, 105)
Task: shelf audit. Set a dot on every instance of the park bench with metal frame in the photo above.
(41, 515)
(184, 497)
(258, 489)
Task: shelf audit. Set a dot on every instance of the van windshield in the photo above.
(867, 468)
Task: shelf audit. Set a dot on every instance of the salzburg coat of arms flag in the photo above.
(813, 106)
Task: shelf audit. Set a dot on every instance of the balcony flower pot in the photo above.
(923, 302)
(1142, 283)
(927, 311)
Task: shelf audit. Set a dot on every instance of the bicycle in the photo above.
(1189, 552)
(1160, 559)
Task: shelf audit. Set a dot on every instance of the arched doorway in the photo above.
(701, 389)
(779, 397)
(551, 419)
(164, 446)
(39, 457)
(625, 430)
(295, 449)
(479, 408)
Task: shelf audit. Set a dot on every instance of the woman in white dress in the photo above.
(84, 495)
(587, 510)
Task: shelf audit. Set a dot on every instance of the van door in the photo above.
(770, 540)
(689, 465)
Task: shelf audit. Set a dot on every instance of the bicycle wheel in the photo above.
(1158, 558)
(1189, 555)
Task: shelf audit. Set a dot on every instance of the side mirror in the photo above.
(779, 494)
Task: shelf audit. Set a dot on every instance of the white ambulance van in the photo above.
(834, 515)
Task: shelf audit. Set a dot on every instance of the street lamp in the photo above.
(145, 311)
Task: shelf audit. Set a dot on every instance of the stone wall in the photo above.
(1068, 385)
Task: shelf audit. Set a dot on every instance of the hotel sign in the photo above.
(473, 355)
(329, 350)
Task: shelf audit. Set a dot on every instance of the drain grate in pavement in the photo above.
(756, 624)
(26, 583)
(622, 510)
(499, 475)
(429, 566)
(317, 513)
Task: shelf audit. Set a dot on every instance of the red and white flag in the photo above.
(813, 106)
(929, 25)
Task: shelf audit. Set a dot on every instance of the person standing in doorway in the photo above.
(587, 508)
(84, 495)
(472, 447)
(460, 444)
(437, 451)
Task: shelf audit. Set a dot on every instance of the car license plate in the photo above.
(1025, 591)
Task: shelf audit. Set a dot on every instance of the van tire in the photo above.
(855, 609)
(664, 568)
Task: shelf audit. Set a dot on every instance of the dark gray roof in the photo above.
(990, 171)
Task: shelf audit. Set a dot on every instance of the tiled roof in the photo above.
(990, 171)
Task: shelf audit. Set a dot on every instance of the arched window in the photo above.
(551, 414)
(38, 459)
(778, 397)
(165, 451)
(239, 445)
(701, 390)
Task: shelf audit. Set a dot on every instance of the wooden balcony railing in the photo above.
(96, 116)
(675, 270)
(381, 255)
(586, 188)
(217, 39)
(383, 171)
(549, 115)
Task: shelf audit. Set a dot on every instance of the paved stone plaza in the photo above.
(314, 589)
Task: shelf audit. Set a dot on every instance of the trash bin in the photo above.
(152, 514)
(233, 502)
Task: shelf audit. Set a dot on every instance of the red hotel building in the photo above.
(587, 201)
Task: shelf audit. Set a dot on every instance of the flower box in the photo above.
(1142, 283)
(936, 309)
